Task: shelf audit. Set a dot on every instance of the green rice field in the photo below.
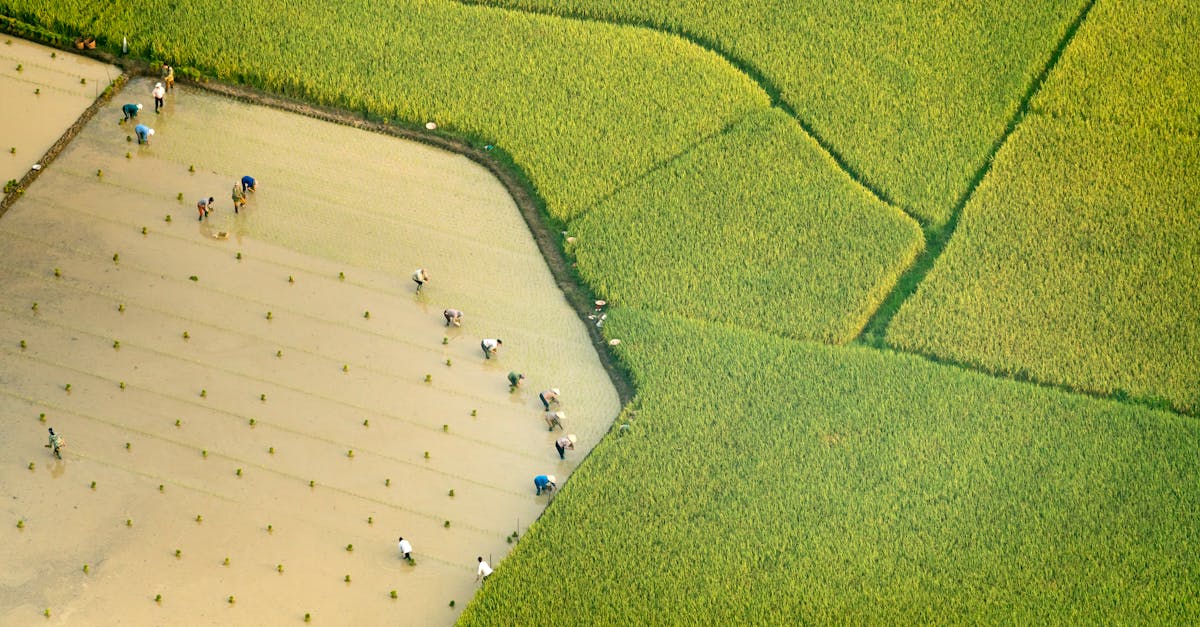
(746, 185)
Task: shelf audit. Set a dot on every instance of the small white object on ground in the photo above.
(431, 125)
(35, 167)
(614, 342)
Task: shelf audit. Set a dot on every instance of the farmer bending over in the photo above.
(549, 396)
(545, 483)
(144, 133)
(130, 111)
(453, 317)
(420, 276)
(565, 443)
(490, 346)
(554, 419)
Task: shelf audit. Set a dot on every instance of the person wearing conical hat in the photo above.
(564, 443)
(549, 396)
(545, 483)
(554, 419)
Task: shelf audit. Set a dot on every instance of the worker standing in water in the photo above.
(130, 110)
(545, 483)
(56, 443)
(453, 316)
(239, 198)
(144, 133)
(420, 276)
(564, 444)
(554, 419)
(249, 184)
(490, 346)
(159, 92)
(548, 397)
(514, 380)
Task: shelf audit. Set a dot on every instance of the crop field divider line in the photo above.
(875, 332)
(189, 401)
(1132, 401)
(745, 67)
(657, 167)
(64, 411)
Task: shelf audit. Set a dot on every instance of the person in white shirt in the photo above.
(484, 570)
(490, 346)
(420, 276)
(564, 444)
(405, 549)
(159, 93)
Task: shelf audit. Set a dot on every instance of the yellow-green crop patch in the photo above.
(1077, 263)
(568, 101)
(911, 94)
(757, 226)
(1137, 62)
(768, 481)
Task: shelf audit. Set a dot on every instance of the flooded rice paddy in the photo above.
(216, 367)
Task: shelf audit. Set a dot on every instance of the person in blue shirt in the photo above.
(249, 184)
(130, 111)
(144, 133)
(545, 483)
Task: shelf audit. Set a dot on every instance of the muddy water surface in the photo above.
(41, 99)
(282, 375)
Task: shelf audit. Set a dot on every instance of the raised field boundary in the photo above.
(745, 67)
(507, 172)
(874, 333)
(518, 185)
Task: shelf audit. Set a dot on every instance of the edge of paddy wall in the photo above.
(542, 229)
